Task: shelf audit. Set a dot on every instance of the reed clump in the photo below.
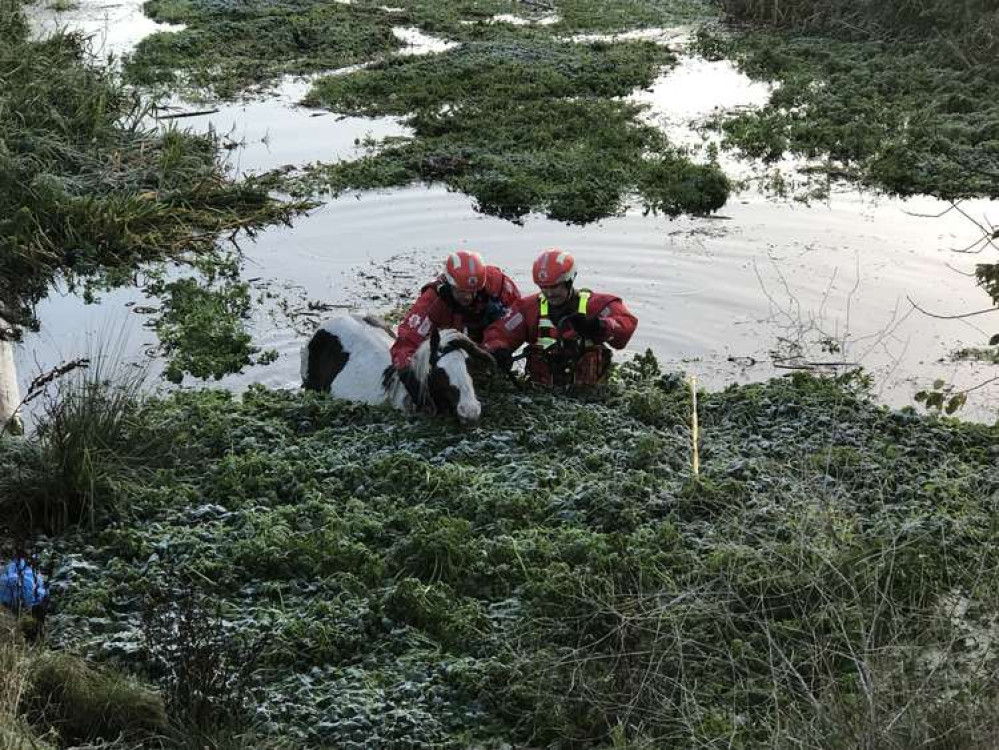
(89, 190)
(972, 25)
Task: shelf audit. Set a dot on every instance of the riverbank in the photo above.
(555, 577)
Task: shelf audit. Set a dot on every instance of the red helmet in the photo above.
(465, 270)
(553, 267)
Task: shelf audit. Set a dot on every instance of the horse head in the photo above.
(441, 367)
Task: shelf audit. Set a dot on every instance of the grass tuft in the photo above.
(83, 704)
(88, 191)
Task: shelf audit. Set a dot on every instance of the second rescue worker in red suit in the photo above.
(567, 330)
(468, 296)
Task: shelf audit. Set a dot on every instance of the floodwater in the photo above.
(762, 288)
(114, 27)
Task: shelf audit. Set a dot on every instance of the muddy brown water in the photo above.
(718, 297)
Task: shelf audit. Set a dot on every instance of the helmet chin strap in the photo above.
(569, 291)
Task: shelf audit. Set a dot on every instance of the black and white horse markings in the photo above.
(349, 357)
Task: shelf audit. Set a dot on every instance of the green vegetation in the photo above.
(83, 704)
(969, 28)
(200, 325)
(886, 115)
(87, 190)
(464, 19)
(626, 15)
(899, 96)
(556, 577)
(522, 123)
(227, 48)
(230, 47)
(521, 119)
(15, 665)
(50, 699)
(84, 437)
(988, 354)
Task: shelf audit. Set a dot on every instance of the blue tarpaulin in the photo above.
(21, 586)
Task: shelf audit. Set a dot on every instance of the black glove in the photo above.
(586, 327)
(504, 359)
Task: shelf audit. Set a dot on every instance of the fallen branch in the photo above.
(179, 115)
(37, 386)
(812, 365)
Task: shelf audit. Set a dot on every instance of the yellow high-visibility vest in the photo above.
(546, 330)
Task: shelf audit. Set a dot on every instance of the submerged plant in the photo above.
(201, 322)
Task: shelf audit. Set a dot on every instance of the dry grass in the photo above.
(15, 667)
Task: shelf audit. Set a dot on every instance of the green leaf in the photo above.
(921, 396)
(994, 340)
(956, 402)
(938, 384)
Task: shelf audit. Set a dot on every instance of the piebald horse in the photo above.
(349, 357)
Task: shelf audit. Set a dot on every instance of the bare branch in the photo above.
(980, 385)
(969, 274)
(950, 317)
(953, 205)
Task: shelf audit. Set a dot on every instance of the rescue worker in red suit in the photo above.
(567, 331)
(468, 296)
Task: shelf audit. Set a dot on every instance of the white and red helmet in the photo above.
(553, 267)
(464, 270)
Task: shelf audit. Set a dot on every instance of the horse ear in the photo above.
(476, 352)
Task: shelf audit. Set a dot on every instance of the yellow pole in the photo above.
(694, 426)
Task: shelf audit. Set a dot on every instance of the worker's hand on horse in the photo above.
(504, 359)
(408, 378)
(589, 327)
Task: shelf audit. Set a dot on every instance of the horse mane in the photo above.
(450, 339)
(420, 365)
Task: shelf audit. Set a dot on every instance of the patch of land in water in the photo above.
(904, 118)
(520, 117)
(522, 123)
